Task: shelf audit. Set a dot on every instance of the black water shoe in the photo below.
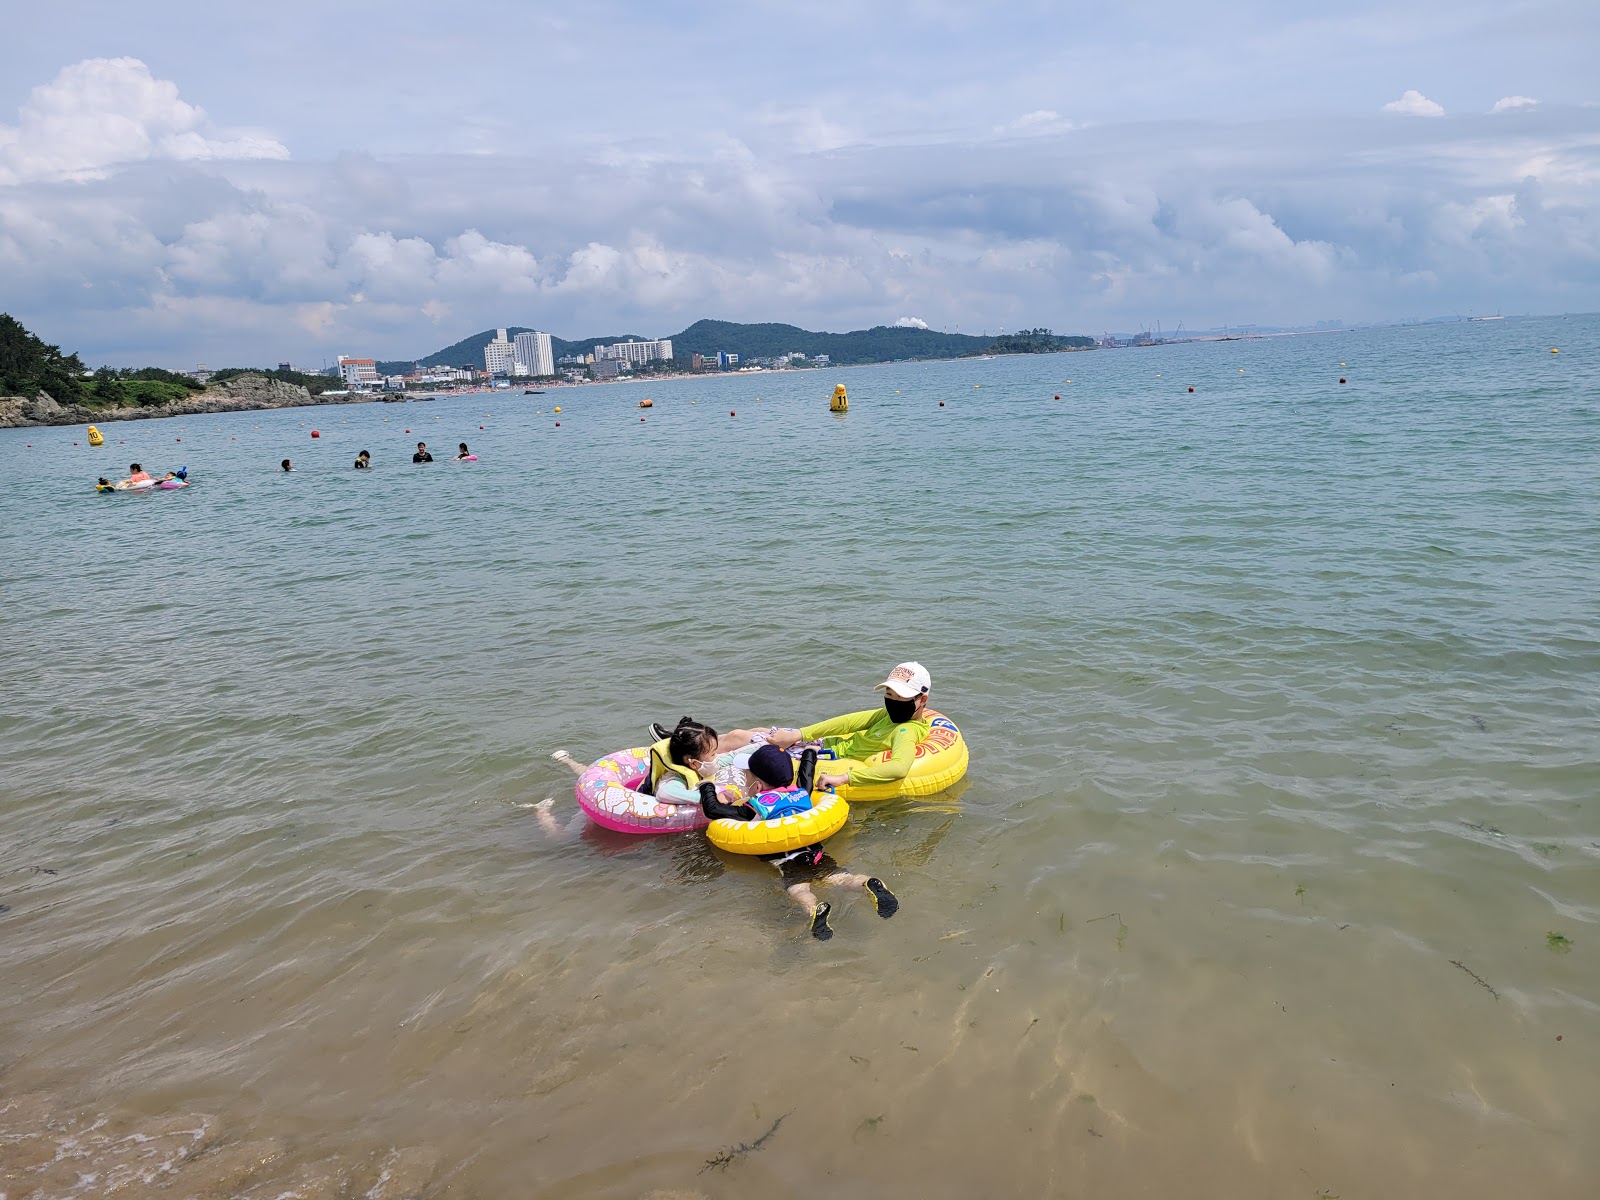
(887, 904)
(819, 922)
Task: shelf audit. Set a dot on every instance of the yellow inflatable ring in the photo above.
(941, 762)
(824, 819)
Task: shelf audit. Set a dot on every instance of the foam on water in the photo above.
(1285, 739)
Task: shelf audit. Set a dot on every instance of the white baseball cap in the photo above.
(908, 681)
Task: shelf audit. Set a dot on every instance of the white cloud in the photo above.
(1507, 103)
(102, 112)
(1036, 124)
(1413, 103)
(911, 323)
(236, 261)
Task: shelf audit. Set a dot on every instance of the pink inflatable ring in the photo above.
(607, 791)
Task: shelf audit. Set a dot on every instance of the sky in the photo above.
(187, 182)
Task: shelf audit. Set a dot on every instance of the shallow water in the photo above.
(1286, 744)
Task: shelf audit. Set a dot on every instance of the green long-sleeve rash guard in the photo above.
(860, 735)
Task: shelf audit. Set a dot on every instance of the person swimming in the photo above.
(784, 792)
(286, 465)
(364, 461)
(465, 454)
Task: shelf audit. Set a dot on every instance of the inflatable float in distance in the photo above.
(822, 820)
(941, 762)
(609, 793)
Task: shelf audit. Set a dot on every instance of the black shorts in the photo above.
(802, 866)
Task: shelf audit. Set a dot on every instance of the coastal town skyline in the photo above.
(180, 189)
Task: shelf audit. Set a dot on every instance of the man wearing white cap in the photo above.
(855, 737)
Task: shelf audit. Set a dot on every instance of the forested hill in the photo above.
(883, 343)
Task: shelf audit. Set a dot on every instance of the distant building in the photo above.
(201, 374)
(605, 368)
(357, 372)
(725, 360)
(285, 367)
(635, 353)
(697, 362)
(533, 354)
(822, 360)
(499, 356)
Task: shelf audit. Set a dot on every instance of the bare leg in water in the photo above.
(541, 810)
(818, 910)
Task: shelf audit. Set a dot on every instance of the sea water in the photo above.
(1274, 875)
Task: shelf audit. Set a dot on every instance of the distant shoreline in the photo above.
(246, 393)
(255, 393)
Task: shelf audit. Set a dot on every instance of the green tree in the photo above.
(29, 366)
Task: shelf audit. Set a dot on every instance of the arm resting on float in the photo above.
(902, 753)
(839, 726)
(672, 790)
(715, 809)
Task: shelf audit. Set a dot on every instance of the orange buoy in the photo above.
(647, 403)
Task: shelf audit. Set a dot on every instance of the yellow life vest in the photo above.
(661, 762)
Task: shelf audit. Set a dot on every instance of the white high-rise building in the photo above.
(534, 354)
(637, 353)
(499, 358)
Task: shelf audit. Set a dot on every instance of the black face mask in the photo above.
(900, 711)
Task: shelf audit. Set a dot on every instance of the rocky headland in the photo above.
(243, 393)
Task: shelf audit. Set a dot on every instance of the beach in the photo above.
(1274, 873)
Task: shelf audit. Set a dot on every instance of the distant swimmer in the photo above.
(466, 455)
(422, 455)
(136, 474)
(286, 465)
(364, 461)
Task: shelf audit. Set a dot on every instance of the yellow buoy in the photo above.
(841, 399)
(1553, 350)
(558, 408)
(96, 438)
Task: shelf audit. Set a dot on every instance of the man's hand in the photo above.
(833, 781)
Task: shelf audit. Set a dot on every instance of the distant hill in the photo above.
(468, 352)
(882, 343)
